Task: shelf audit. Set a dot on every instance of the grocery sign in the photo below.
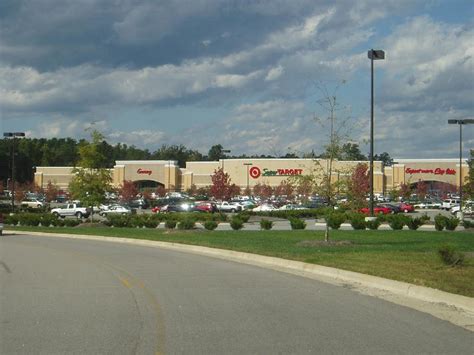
(255, 172)
(437, 171)
(143, 171)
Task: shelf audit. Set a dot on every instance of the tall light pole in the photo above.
(223, 151)
(13, 136)
(460, 123)
(373, 54)
(247, 165)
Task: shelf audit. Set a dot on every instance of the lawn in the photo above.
(409, 256)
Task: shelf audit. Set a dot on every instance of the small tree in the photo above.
(284, 189)
(160, 191)
(128, 191)
(405, 191)
(359, 186)
(263, 190)
(221, 186)
(421, 190)
(51, 192)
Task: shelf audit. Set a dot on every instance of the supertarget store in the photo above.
(437, 173)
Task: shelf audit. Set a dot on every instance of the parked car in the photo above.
(377, 210)
(394, 208)
(467, 210)
(449, 203)
(428, 204)
(178, 207)
(140, 203)
(291, 207)
(115, 209)
(264, 207)
(406, 207)
(229, 207)
(32, 203)
(205, 206)
(71, 209)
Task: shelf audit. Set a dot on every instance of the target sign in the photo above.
(255, 172)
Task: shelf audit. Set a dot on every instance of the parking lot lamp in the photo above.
(13, 136)
(223, 152)
(247, 165)
(373, 54)
(460, 123)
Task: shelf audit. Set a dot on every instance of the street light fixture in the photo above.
(373, 54)
(247, 165)
(460, 123)
(13, 136)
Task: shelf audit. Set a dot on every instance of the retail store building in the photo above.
(249, 172)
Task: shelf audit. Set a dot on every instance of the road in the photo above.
(78, 296)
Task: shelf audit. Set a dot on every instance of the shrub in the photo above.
(119, 221)
(219, 217)
(467, 224)
(72, 222)
(397, 221)
(236, 223)
(170, 223)
(450, 256)
(335, 219)
(297, 223)
(210, 225)
(244, 216)
(415, 223)
(358, 221)
(440, 222)
(151, 223)
(186, 224)
(451, 223)
(11, 220)
(373, 224)
(266, 224)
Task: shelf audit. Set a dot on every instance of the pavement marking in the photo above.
(5, 266)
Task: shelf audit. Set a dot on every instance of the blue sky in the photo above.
(249, 74)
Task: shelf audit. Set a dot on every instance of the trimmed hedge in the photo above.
(210, 225)
(236, 223)
(297, 223)
(266, 224)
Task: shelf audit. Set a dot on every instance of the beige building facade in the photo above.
(250, 172)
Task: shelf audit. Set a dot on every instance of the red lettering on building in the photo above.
(437, 171)
(143, 171)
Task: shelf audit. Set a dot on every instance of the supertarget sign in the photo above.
(255, 172)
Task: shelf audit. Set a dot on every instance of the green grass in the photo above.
(409, 256)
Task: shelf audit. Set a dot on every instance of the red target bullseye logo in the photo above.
(255, 172)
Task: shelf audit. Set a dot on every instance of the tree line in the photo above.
(32, 152)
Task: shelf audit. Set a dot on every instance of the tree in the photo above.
(284, 189)
(91, 180)
(358, 186)
(215, 153)
(51, 192)
(264, 191)
(221, 185)
(468, 187)
(351, 151)
(160, 191)
(405, 191)
(421, 189)
(384, 158)
(128, 191)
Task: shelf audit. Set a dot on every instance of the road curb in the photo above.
(296, 267)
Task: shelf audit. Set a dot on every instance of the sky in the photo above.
(251, 75)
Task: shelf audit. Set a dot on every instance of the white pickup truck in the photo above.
(229, 207)
(71, 209)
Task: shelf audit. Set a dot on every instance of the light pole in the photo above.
(13, 136)
(373, 54)
(247, 165)
(460, 123)
(223, 151)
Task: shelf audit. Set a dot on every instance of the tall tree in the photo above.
(358, 186)
(215, 153)
(221, 188)
(384, 158)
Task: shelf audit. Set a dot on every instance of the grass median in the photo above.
(409, 256)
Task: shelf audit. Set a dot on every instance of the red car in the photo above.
(156, 209)
(406, 207)
(377, 210)
(205, 206)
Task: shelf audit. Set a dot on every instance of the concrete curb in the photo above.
(309, 270)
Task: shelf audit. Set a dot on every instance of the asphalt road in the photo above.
(87, 297)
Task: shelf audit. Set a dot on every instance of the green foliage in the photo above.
(186, 224)
(397, 221)
(244, 216)
(467, 224)
(297, 223)
(335, 219)
(266, 224)
(373, 224)
(358, 221)
(440, 222)
(236, 223)
(210, 225)
(307, 213)
(170, 223)
(450, 256)
(415, 222)
(71, 222)
(451, 223)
